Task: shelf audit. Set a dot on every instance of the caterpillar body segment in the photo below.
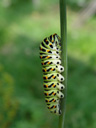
(52, 93)
(53, 57)
(48, 51)
(53, 85)
(54, 77)
(51, 100)
(50, 55)
(50, 45)
(51, 69)
(50, 62)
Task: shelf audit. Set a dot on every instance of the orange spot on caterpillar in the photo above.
(50, 44)
(45, 70)
(52, 69)
(54, 106)
(46, 86)
(47, 50)
(41, 57)
(53, 77)
(53, 93)
(47, 94)
(48, 62)
(46, 40)
(40, 48)
(53, 85)
(52, 41)
(48, 57)
(46, 77)
(54, 100)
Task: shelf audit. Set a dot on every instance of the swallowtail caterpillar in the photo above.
(50, 54)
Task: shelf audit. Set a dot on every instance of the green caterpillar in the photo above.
(50, 55)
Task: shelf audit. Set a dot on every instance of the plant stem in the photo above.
(63, 57)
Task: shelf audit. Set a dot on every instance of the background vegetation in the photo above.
(23, 25)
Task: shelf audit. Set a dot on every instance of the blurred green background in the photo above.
(23, 25)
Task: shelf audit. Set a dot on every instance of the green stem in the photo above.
(63, 57)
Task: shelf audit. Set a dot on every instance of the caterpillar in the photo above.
(50, 55)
